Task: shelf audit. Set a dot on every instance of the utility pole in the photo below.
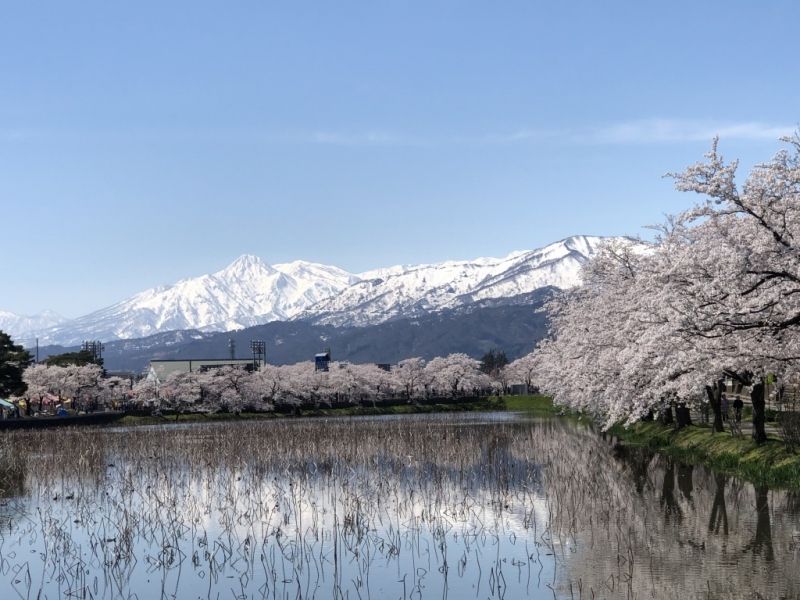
(259, 349)
(92, 347)
(232, 348)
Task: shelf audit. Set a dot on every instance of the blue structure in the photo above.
(322, 361)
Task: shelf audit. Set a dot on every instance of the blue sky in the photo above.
(145, 142)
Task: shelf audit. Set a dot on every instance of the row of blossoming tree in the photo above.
(83, 386)
(235, 389)
(716, 297)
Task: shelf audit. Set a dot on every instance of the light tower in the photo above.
(94, 348)
(259, 349)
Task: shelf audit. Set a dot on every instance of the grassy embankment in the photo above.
(536, 405)
(771, 463)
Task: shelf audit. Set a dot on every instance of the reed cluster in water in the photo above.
(358, 508)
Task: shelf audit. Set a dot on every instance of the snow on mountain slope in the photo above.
(25, 327)
(251, 292)
(247, 292)
(385, 294)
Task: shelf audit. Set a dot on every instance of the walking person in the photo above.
(737, 409)
(724, 407)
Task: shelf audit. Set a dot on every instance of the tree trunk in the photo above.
(666, 415)
(714, 394)
(759, 413)
(682, 415)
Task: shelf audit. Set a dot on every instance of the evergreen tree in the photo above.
(79, 359)
(493, 361)
(14, 359)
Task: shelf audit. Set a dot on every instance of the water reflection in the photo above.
(675, 530)
(762, 542)
(719, 512)
(670, 505)
(429, 507)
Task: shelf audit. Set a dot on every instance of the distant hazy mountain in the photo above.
(22, 327)
(250, 292)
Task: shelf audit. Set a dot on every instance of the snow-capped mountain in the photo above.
(250, 292)
(24, 327)
(406, 291)
(247, 292)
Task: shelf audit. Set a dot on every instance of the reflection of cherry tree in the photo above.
(644, 517)
(544, 504)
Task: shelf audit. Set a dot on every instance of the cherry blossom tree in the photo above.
(303, 384)
(409, 375)
(39, 381)
(456, 373)
(79, 384)
(748, 279)
(716, 295)
(113, 390)
(182, 392)
(269, 381)
(145, 392)
(522, 370)
(615, 350)
(371, 381)
(235, 389)
(228, 388)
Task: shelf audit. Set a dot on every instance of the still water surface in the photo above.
(439, 506)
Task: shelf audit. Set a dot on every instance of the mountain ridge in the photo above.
(419, 289)
(250, 292)
(513, 324)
